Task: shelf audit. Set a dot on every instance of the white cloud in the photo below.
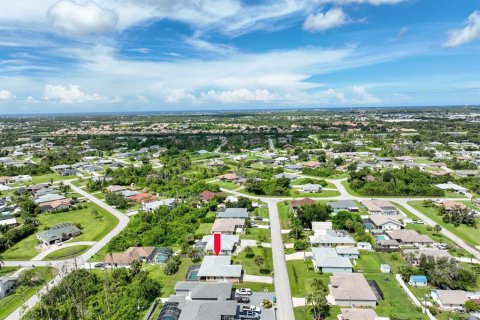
(69, 95)
(6, 95)
(363, 96)
(200, 44)
(82, 18)
(333, 18)
(471, 32)
(372, 2)
(239, 95)
(141, 50)
(178, 95)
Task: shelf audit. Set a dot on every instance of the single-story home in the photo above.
(344, 205)
(418, 281)
(228, 244)
(286, 175)
(55, 205)
(311, 188)
(358, 314)
(388, 244)
(143, 198)
(351, 290)
(48, 198)
(387, 221)
(414, 255)
(150, 206)
(228, 226)
(219, 269)
(451, 205)
(331, 238)
(329, 261)
(115, 188)
(410, 237)
(124, 259)
(452, 187)
(377, 206)
(233, 213)
(364, 246)
(301, 202)
(450, 299)
(60, 232)
(209, 195)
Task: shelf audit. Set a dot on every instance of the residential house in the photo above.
(351, 290)
(209, 195)
(298, 203)
(328, 260)
(321, 226)
(343, 205)
(8, 220)
(59, 232)
(418, 281)
(377, 206)
(408, 237)
(124, 259)
(48, 198)
(451, 206)
(228, 244)
(387, 221)
(311, 188)
(233, 213)
(288, 176)
(219, 269)
(128, 193)
(115, 188)
(414, 255)
(331, 238)
(143, 198)
(388, 244)
(197, 301)
(347, 252)
(229, 177)
(364, 246)
(150, 206)
(359, 314)
(311, 164)
(452, 187)
(55, 205)
(450, 299)
(228, 226)
(7, 285)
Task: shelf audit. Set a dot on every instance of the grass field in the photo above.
(468, 234)
(92, 230)
(283, 213)
(48, 177)
(227, 185)
(5, 271)
(301, 275)
(15, 300)
(168, 282)
(255, 286)
(249, 265)
(67, 253)
(262, 235)
(203, 229)
(262, 212)
(302, 313)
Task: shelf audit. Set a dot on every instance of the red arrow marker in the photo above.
(217, 243)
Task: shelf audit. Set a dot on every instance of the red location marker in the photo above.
(217, 243)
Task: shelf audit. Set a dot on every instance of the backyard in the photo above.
(249, 262)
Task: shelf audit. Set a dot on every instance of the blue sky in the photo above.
(127, 55)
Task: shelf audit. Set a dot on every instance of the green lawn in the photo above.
(468, 234)
(283, 213)
(67, 253)
(249, 265)
(255, 286)
(5, 271)
(203, 229)
(168, 282)
(302, 181)
(296, 193)
(16, 299)
(397, 304)
(350, 190)
(262, 212)
(301, 275)
(48, 177)
(302, 313)
(369, 262)
(262, 235)
(227, 185)
(92, 229)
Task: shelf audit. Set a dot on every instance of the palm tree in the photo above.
(318, 285)
(259, 260)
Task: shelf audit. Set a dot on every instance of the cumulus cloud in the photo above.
(333, 18)
(363, 96)
(82, 18)
(239, 95)
(178, 95)
(69, 95)
(6, 95)
(469, 33)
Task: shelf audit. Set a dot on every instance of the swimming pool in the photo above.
(381, 237)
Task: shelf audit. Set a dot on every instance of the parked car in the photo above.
(250, 307)
(249, 315)
(58, 243)
(99, 265)
(243, 299)
(243, 291)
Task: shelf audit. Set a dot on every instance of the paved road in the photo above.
(64, 267)
(54, 248)
(280, 278)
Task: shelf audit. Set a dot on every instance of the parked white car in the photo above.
(251, 308)
(243, 291)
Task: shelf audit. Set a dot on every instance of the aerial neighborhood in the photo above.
(312, 215)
